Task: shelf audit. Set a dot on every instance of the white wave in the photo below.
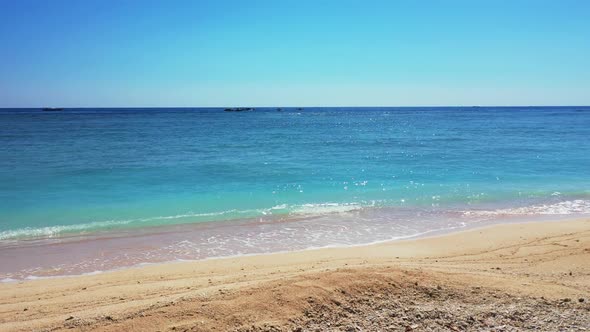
(578, 206)
(275, 209)
(53, 231)
(325, 208)
(311, 209)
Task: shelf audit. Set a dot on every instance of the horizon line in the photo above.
(385, 106)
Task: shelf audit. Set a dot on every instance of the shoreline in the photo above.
(513, 258)
(531, 207)
(425, 235)
(73, 254)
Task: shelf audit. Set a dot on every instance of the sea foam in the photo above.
(281, 209)
(578, 206)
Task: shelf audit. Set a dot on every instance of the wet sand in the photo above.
(531, 276)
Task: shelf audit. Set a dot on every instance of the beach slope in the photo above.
(531, 276)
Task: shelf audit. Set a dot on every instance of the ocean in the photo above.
(85, 190)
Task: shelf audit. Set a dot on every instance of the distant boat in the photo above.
(238, 109)
(52, 109)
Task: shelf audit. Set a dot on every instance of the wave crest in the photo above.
(578, 206)
(54, 231)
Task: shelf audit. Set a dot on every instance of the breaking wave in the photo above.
(296, 210)
(578, 206)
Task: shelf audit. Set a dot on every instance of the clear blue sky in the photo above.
(299, 53)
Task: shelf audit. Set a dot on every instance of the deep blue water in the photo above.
(83, 170)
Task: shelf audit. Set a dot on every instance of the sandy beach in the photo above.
(530, 276)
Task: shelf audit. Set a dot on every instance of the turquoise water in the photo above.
(88, 190)
(87, 170)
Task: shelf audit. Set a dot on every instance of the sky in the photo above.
(124, 53)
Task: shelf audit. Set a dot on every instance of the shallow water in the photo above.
(148, 185)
